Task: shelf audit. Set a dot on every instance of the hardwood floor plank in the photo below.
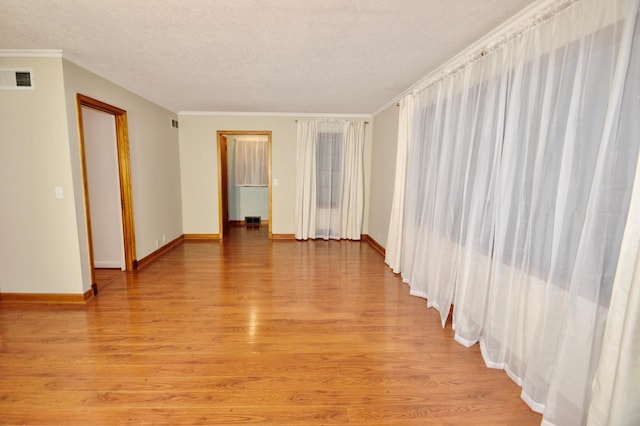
(248, 331)
(352, 385)
(241, 415)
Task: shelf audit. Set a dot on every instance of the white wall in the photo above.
(43, 243)
(101, 158)
(383, 162)
(199, 167)
(39, 250)
(155, 165)
(43, 248)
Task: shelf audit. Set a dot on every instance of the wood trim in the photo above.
(58, 298)
(159, 252)
(284, 237)
(99, 105)
(270, 188)
(124, 168)
(80, 99)
(201, 236)
(374, 244)
(219, 136)
(268, 134)
(124, 171)
(91, 293)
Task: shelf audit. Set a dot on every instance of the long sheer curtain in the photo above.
(251, 166)
(329, 179)
(520, 171)
(616, 387)
(393, 251)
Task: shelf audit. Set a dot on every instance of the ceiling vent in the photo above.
(15, 79)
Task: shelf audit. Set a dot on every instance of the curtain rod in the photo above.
(366, 122)
(495, 42)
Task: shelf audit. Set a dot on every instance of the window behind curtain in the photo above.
(328, 170)
(517, 193)
(251, 161)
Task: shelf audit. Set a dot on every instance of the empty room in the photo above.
(320, 212)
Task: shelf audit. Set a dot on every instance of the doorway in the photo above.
(106, 180)
(225, 141)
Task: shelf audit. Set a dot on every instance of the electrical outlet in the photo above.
(157, 243)
(164, 238)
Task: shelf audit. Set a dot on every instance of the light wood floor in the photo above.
(248, 332)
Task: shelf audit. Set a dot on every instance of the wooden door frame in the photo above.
(124, 174)
(219, 135)
(223, 165)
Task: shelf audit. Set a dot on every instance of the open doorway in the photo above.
(104, 151)
(239, 203)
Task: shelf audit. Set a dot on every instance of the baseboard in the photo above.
(107, 264)
(374, 244)
(283, 236)
(162, 250)
(201, 236)
(54, 298)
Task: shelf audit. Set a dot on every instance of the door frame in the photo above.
(124, 175)
(223, 174)
(219, 135)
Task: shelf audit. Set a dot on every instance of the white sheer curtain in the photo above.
(520, 171)
(306, 180)
(329, 179)
(252, 153)
(393, 251)
(616, 387)
(352, 205)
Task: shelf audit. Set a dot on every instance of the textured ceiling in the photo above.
(306, 56)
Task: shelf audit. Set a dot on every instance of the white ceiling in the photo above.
(305, 56)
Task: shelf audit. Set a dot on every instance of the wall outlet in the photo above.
(157, 243)
(164, 238)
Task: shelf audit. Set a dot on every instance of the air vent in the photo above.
(15, 79)
(174, 123)
(23, 79)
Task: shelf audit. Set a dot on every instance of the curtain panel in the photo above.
(393, 251)
(616, 390)
(251, 167)
(519, 177)
(329, 179)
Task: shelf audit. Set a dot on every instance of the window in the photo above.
(252, 155)
(328, 170)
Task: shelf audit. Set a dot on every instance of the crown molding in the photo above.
(273, 114)
(22, 53)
